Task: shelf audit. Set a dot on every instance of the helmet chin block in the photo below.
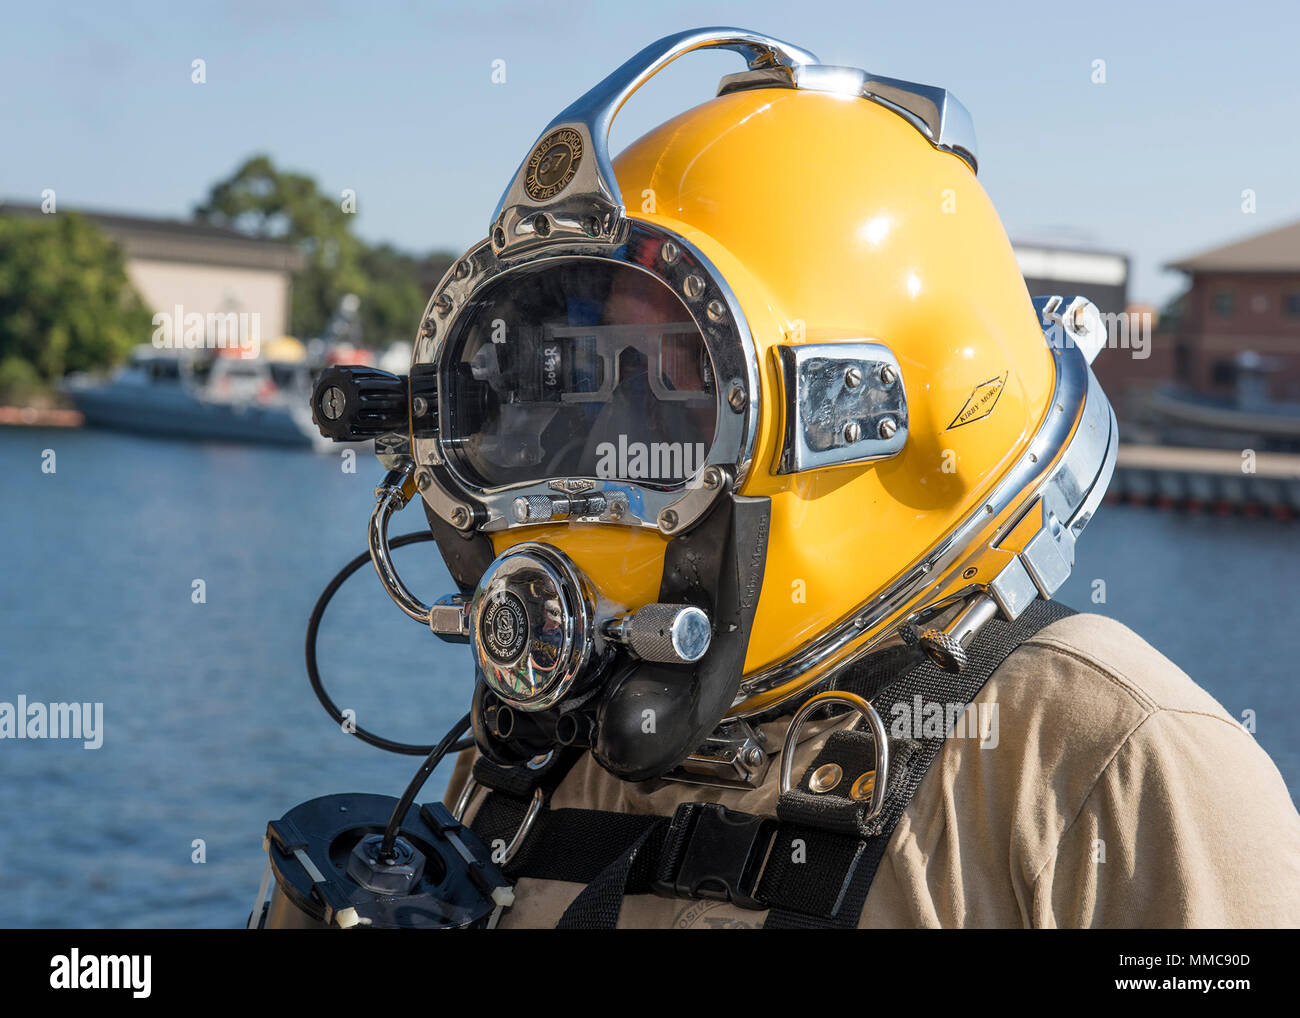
(642, 718)
(655, 715)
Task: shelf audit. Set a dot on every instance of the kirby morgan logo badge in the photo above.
(552, 164)
(981, 402)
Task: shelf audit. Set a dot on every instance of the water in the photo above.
(211, 729)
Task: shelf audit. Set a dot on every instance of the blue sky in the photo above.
(396, 102)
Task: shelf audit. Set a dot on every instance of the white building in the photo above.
(201, 268)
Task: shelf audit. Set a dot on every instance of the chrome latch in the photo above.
(733, 756)
(1072, 321)
(1041, 541)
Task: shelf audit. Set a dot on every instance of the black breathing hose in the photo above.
(313, 672)
(417, 782)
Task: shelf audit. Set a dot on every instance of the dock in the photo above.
(1222, 481)
(39, 417)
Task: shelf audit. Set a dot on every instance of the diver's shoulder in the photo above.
(1106, 658)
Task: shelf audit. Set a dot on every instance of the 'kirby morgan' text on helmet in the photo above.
(697, 427)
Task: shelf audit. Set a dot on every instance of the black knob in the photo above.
(354, 403)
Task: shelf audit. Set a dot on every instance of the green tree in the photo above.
(66, 303)
(396, 290)
(394, 286)
(393, 299)
(262, 201)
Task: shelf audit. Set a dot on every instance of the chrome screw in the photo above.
(667, 520)
(715, 311)
(693, 287)
(670, 252)
(888, 375)
(460, 517)
(888, 427)
(333, 403)
(736, 397)
(419, 406)
(712, 477)
(852, 432)
(423, 479)
(754, 757)
(462, 270)
(853, 377)
(428, 328)
(442, 305)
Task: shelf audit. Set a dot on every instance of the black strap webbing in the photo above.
(599, 903)
(565, 844)
(798, 893)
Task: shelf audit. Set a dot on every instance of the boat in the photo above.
(227, 399)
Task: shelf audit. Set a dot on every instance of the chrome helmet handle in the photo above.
(568, 170)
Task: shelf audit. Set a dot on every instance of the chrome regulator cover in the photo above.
(531, 626)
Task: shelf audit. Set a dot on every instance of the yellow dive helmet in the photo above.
(697, 427)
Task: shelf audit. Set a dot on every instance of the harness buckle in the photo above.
(716, 853)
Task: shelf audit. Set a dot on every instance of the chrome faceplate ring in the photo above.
(669, 508)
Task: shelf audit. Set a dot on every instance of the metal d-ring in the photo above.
(526, 825)
(878, 735)
(462, 800)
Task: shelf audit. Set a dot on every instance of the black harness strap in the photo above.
(598, 904)
(574, 845)
(510, 795)
(565, 844)
(520, 781)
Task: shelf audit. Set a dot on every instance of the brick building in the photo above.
(1101, 276)
(1239, 330)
